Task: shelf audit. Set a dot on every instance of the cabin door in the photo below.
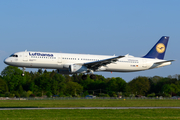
(144, 64)
(25, 56)
(59, 59)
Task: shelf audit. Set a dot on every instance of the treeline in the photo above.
(37, 84)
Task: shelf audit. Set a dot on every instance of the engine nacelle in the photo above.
(63, 71)
(77, 69)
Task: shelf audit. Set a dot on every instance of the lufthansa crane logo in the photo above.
(160, 48)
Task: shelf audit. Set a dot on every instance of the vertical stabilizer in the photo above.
(159, 49)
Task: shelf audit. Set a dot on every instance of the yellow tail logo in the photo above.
(160, 48)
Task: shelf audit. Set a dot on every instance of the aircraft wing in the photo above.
(164, 62)
(96, 64)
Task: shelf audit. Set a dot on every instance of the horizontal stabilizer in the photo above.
(164, 62)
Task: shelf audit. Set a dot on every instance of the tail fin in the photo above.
(159, 49)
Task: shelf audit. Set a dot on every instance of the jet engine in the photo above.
(77, 69)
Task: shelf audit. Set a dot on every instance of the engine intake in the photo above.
(77, 69)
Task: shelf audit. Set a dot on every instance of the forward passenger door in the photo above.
(25, 56)
(59, 59)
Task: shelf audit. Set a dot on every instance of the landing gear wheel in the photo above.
(93, 76)
(84, 77)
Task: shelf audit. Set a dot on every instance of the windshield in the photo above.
(13, 55)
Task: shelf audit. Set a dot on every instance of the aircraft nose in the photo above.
(6, 61)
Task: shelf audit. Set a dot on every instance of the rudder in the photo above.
(159, 49)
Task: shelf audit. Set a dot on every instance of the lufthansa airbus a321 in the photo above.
(66, 63)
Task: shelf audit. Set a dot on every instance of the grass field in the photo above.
(107, 114)
(89, 103)
(131, 114)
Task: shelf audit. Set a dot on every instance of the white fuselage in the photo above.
(49, 60)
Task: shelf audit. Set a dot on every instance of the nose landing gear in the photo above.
(23, 72)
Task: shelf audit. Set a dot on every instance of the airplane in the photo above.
(67, 63)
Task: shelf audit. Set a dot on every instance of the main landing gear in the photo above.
(84, 77)
(23, 72)
(92, 76)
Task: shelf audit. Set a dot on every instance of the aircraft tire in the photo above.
(84, 77)
(93, 76)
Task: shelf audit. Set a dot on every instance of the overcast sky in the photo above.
(105, 27)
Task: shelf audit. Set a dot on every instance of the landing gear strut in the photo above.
(23, 71)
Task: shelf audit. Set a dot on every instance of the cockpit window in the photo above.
(13, 55)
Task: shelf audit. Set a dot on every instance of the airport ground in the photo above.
(128, 114)
(89, 114)
(89, 103)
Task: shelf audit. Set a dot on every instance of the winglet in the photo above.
(159, 49)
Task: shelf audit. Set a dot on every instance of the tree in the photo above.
(3, 86)
(12, 76)
(49, 94)
(20, 90)
(175, 88)
(40, 71)
(139, 85)
(154, 82)
(43, 83)
(73, 88)
(58, 83)
(117, 85)
(87, 84)
(10, 71)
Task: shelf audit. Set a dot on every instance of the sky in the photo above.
(104, 27)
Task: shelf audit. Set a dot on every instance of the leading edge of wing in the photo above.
(96, 64)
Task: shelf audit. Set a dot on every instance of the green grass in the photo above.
(128, 114)
(107, 114)
(89, 103)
